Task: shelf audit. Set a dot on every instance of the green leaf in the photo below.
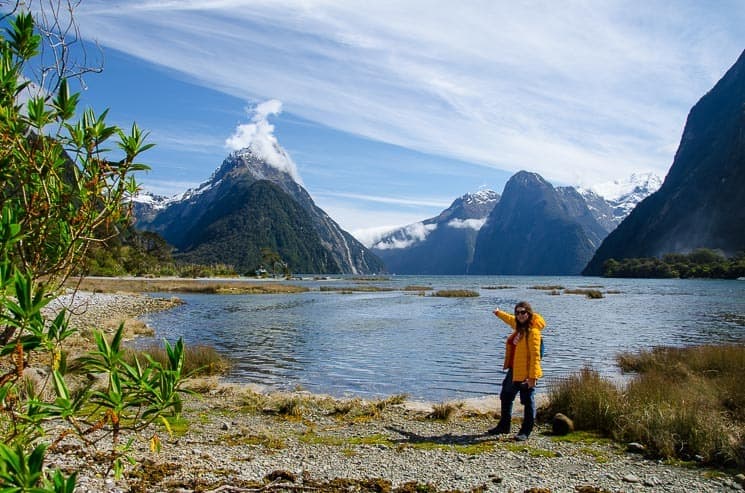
(65, 103)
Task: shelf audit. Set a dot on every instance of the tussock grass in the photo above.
(548, 287)
(288, 406)
(590, 293)
(456, 293)
(351, 289)
(498, 287)
(682, 403)
(359, 410)
(592, 402)
(413, 287)
(199, 360)
(444, 410)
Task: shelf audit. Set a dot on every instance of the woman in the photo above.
(522, 360)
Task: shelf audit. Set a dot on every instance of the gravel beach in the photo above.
(240, 439)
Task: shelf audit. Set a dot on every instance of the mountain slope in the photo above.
(225, 199)
(440, 245)
(246, 219)
(702, 200)
(535, 230)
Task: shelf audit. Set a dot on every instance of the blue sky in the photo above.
(392, 109)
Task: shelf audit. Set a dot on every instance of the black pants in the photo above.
(507, 396)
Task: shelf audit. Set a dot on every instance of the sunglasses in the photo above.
(521, 312)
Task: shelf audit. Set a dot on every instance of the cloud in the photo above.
(475, 224)
(428, 202)
(407, 236)
(577, 91)
(258, 136)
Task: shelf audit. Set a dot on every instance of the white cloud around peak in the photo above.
(259, 137)
(475, 224)
(411, 234)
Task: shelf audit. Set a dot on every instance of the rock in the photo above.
(635, 447)
(630, 478)
(651, 481)
(280, 475)
(561, 424)
(740, 478)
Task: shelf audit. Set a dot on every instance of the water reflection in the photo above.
(385, 343)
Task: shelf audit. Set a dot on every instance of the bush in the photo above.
(60, 192)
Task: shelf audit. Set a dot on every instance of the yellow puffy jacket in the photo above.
(527, 358)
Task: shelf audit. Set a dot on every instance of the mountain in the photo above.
(611, 202)
(536, 229)
(701, 203)
(249, 204)
(440, 245)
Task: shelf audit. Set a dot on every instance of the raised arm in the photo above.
(506, 317)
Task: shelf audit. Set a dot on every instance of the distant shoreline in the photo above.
(183, 285)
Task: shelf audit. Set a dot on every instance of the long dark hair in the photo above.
(524, 327)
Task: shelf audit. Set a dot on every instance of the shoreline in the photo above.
(233, 444)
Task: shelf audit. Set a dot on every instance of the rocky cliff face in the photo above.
(536, 230)
(701, 203)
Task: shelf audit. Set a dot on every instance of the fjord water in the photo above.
(374, 344)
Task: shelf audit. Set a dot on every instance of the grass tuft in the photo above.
(444, 411)
(456, 293)
(681, 403)
(199, 360)
(590, 293)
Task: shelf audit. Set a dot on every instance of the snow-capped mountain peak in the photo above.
(636, 184)
(611, 202)
(480, 197)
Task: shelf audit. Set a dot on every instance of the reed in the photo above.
(455, 293)
(590, 293)
(351, 289)
(681, 403)
(413, 287)
(199, 360)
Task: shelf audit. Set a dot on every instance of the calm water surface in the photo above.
(431, 348)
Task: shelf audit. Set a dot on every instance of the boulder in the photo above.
(561, 424)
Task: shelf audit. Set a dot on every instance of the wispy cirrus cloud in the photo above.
(386, 199)
(577, 91)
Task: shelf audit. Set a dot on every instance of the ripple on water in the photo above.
(382, 343)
